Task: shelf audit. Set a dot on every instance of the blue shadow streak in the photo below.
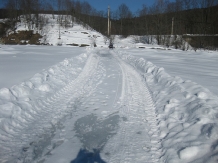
(85, 156)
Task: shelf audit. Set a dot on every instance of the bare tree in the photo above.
(13, 7)
(143, 13)
(36, 11)
(30, 9)
(123, 13)
(93, 40)
(105, 39)
(161, 27)
(112, 39)
(48, 7)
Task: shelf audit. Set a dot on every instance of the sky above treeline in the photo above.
(133, 5)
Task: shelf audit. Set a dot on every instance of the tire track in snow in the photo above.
(47, 113)
(137, 140)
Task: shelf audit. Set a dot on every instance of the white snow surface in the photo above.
(19, 63)
(150, 105)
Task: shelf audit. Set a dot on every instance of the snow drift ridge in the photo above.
(24, 104)
(187, 114)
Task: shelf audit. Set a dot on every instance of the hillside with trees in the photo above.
(198, 18)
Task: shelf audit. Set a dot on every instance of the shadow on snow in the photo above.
(85, 156)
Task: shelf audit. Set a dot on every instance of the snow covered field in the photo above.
(200, 67)
(69, 105)
(19, 63)
(114, 102)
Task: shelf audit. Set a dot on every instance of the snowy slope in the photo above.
(102, 105)
(71, 33)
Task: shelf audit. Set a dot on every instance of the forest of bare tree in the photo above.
(163, 18)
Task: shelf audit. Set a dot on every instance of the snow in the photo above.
(24, 61)
(188, 152)
(198, 67)
(66, 104)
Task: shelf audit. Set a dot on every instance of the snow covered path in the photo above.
(137, 138)
(106, 106)
(127, 112)
(125, 119)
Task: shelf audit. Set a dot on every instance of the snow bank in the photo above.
(186, 114)
(21, 105)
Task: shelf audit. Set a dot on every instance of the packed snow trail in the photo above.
(137, 138)
(107, 108)
(124, 129)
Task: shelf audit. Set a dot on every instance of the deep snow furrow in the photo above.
(138, 110)
(46, 114)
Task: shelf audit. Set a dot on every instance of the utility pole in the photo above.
(172, 26)
(59, 17)
(59, 31)
(108, 29)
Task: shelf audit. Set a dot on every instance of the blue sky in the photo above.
(2, 3)
(134, 5)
